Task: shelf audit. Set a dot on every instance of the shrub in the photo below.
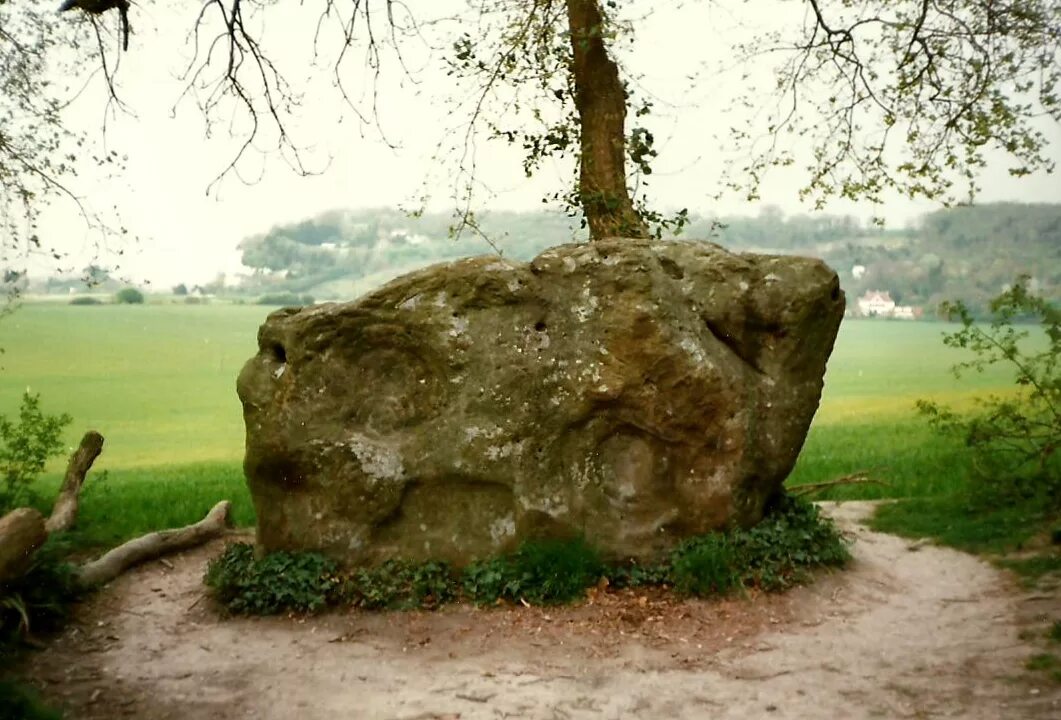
(398, 585)
(287, 299)
(1013, 440)
(487, 581)
(25, 447)
(704, 566)
(780, 551)
(632, 575)
(86, 300)
(792, 539)
(129, 296)
(278, 582)
(541, 572)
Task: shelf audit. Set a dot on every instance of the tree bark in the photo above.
(153, 545)
(64, 512)
(21, 533)
(601, 102)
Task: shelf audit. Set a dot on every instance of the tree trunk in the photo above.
(21, 533)
(601, 102)
(64, 512)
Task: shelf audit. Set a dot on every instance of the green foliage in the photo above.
(1054, 633)
(704, 566)
(25, 447)
(124, 503)
(1046, 663)
(958, 522)
(1013, 440)
(1034, 568)
(39, 600)
(278, 582)
(792, 539)
(86, 300)
(541, 572)
(488, 581)
(20, 702)
(129, 296)
(400, 585)
(1042, 661)
(287, 299)
(633, 574)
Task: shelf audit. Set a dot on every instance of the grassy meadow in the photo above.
(158, 381)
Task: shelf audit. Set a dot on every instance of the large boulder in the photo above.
(634, 392)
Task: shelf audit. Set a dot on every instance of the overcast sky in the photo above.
(187, 235)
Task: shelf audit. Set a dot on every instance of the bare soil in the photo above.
(910, 631)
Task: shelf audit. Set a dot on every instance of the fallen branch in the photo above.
(64, 512)
(858, 478)
(21, 533)
(24, 530)
(154, 545)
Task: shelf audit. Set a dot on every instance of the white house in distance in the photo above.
(876, 302)
(879, 303)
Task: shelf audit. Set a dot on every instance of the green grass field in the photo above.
(159, 383)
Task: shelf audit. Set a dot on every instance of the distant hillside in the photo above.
(969, 253)
(335, 254)
(966, 252)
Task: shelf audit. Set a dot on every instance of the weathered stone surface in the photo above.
(633, 391)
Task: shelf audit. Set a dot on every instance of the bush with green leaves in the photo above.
(1013, 439)
(278, 582)
(26, 445)
(541, 572)
(86, 300)
(704, 566)
(129, 296)
(791, 540)
(398, 585)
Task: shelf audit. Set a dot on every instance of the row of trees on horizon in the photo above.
(969, 253)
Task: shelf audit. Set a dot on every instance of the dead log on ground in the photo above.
(24, 530)
(21, 533)
(155, 545)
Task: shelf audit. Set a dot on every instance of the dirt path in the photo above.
(904, 634)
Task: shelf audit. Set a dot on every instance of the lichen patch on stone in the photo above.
(378, 461)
